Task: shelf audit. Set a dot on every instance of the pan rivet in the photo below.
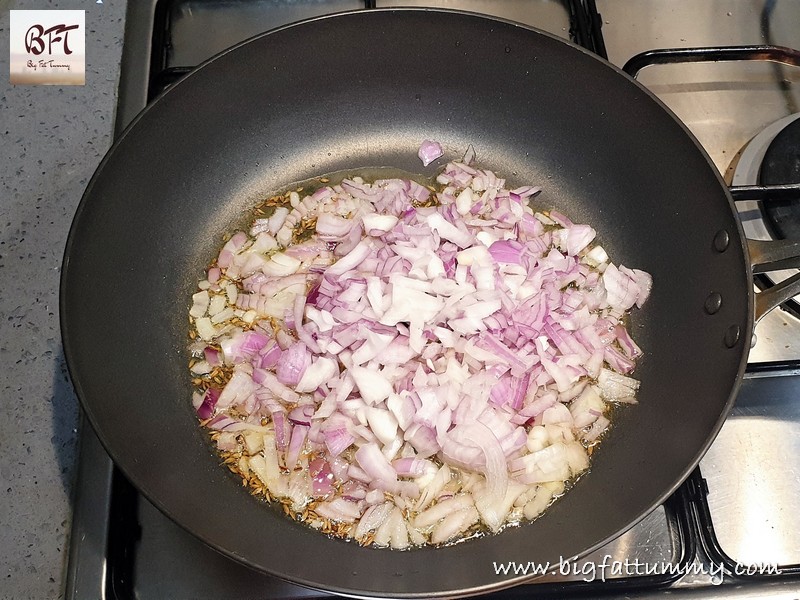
(713, 303)
(732, 335)
(721, 240)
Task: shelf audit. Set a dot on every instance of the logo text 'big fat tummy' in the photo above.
(48, 47)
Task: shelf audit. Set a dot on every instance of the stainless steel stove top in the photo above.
(725, 105)
(743, 505)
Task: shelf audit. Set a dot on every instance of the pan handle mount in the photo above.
(772, 256)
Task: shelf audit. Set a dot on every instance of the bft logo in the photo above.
(48, 47)
(35, 41)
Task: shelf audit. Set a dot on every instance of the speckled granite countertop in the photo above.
(51, 140)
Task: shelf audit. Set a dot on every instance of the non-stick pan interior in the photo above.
(364, 89)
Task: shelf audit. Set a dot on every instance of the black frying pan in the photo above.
(364, 89)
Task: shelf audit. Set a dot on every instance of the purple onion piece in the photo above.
(322, 478)
(206, 408)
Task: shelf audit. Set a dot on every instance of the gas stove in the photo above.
(731, 530)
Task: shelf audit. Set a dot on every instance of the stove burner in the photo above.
(753, 168)
(782, 165)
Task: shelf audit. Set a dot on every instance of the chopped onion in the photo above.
(321, 477)
(374, 463)
(429, 151)
(200, 302)
(424, 364)
(209, 401)
(293, 363)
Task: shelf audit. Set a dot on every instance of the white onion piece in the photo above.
(281, 265)
(399, 531)
(201, 367)
(596, 256)
(339, 509)
(454, 524)
(376, 225)
(375, 464)
(537, 438)
(373, 518)
(265, 466)
(300, 490)
(200, 302)
(442, 509)
(321, 370)
(539, 503)
(372, 385)
(495, 469)
(494, 510)
(253, 441)
(617, 388)
(548, 464)
(596, 430)
(375, 496)
(383, 535)
(383, 424)
(240, 387)
(432, 490)
(577, 458)
(205, 329)
(587, 407)
(224, 315)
